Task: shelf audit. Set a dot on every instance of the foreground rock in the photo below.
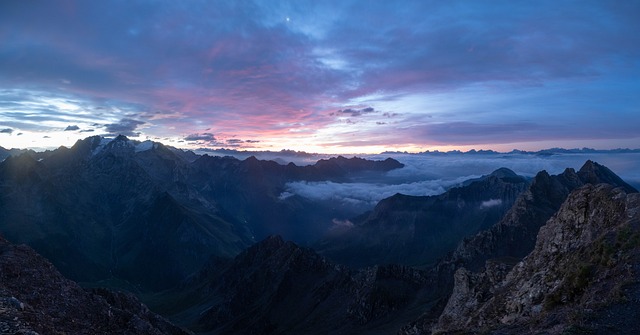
(36, 299)
(583, 274)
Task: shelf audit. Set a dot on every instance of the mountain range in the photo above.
(497, 254)
(144, 216)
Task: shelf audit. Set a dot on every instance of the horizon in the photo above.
(334, 78)
(205, 150)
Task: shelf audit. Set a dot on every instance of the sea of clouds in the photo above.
(430, 174)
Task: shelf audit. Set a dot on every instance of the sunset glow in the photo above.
(326, 77)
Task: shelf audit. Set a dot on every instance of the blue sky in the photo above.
(322, 76)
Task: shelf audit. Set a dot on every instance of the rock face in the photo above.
(585, 265)
(515, 234)
(414, 230)
(36, 299)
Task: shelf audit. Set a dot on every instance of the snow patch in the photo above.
(103, 143)
(144, 146)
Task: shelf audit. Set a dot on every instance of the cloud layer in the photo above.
(430, 174)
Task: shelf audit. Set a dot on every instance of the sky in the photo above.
(322, 76)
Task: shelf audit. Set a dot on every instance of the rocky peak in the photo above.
(587, 255)
(594, 173)
(506, 174)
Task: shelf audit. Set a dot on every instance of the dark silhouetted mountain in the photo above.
(103, 212)
(251, 189)
(419, 230)
(277, 287)
(143, 216)
(36, 299)
(581, 277)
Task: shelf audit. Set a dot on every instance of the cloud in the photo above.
(6, 131)
(431, 174)
(71, 128)
(491, 203)
(355, 112)
(200, 137)
(341, 223)
(367, 193)
(125, 127)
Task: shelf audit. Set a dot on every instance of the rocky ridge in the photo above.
(586, 262)
(36, 299)
(515, 234)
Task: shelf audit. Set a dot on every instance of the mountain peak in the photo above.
(594, 173)
(121, 138)
(507, 175)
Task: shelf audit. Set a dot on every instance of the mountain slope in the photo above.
(585, 265)
(99, 215)
(250, 191)
(420, 230)
(277, 287)
(143, 216)
(36, 298)
(515, 234)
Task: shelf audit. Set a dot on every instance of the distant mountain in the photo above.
(581, 277)
(143, 216)
(251, 189)
(417, 230)
(543, 152)
(36, 299)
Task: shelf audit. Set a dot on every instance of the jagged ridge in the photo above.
(586, 264)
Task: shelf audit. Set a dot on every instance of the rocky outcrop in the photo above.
(515, 234)
(585, 264)
(36, 299)
(415, 230)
